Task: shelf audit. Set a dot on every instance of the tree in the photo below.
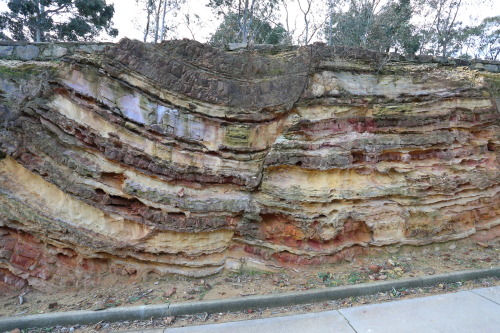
(393, 28)
(443, 29)
(333, 7)
(352, 27)
(489, 38)
(481, 41)
(262, 32)
(156, 13)
(288, 26)
(311, 26)
(50, 20)
(247, 14)
(193, 23)
(367, 24)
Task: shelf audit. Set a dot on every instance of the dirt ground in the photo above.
(383, 264)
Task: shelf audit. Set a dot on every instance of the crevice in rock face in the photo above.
(113, 179)
(492, 146)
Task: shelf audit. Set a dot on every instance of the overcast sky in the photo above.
(130, 18)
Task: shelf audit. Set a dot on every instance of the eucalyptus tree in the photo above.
(369, 24)
(489, 38)
(352, 26)
(442, 27)
(482, 40)
(248, 14)
(312, 15)
(64, 20)
(156, 14)
(262, 32)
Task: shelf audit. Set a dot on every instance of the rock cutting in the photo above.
(183, 158)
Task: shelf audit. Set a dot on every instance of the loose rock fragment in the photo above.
(170, 292)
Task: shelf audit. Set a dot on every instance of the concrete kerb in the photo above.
(234, 304)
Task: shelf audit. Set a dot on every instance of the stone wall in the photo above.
(25, 51)
(181, 158)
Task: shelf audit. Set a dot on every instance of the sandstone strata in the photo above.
(182, 158)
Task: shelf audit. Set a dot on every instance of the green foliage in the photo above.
(397, 30)
(133, 299)
(481, 41)
(261, 32)
(243, 20)
(351, 28)
(330, 280)
(21, 72)
(356, 277)
(51, 20)
(364, 25)
(441, 30)
(324, 276)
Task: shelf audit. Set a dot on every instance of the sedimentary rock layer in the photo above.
(182, 158)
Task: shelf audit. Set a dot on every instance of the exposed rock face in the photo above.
(181, 158)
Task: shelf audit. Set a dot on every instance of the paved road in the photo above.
(474, 311)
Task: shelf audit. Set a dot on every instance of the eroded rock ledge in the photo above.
(182, 158)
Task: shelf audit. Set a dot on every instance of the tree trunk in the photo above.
(38, 32)
(330, 29)
(306, 37)
(162, 35)
(157, 20)
(368, 23)
(250, 21)
(305, 13)
(244, 24)
(149, 9)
